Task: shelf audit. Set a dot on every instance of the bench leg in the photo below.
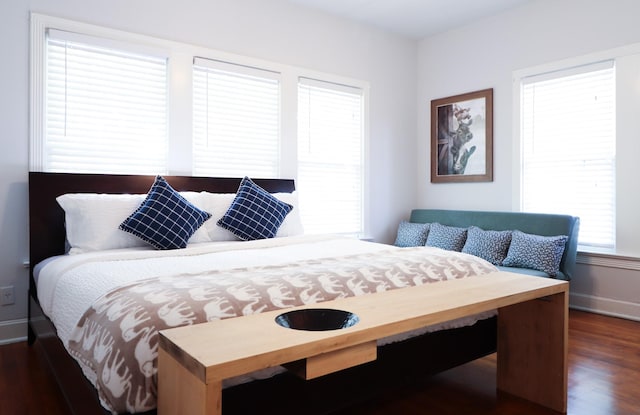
(532, 350)
(180, 392)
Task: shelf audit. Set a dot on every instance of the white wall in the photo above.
(485, 55)
(272, 30)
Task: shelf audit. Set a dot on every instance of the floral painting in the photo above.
(462, 138)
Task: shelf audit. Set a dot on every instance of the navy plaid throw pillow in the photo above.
(165, 219)
(254, 213)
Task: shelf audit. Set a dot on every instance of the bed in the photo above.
(285, 258)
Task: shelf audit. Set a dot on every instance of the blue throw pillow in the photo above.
(254, 213)
(489, 245)
(411, 234)
(165, 219)
(450, 238)
(542, 253)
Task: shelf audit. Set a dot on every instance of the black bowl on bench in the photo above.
(317, 319)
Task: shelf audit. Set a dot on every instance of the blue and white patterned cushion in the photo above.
(542, 253)
(411, 234)
(489, 245)
(450, 238)
(254, 213)
(165, 219)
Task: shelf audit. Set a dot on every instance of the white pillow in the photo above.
(92, 220)
(218, 203)
(196, 199)
(292, 224)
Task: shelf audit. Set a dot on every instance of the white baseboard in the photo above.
(13, 331)
(606, 306)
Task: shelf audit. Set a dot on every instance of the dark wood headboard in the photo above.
(46, 217)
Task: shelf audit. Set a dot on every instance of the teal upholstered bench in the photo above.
(546, 225)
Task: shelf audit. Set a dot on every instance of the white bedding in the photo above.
(69, 285)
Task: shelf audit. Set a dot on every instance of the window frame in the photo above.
(264, 80)
(603, 163)
(180, 80)
(349, 91)
(68, 84)
(625, 59)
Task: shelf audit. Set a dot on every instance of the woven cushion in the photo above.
(411, 234)
(450, 238)
(254, 213)
(165, 219)
(542, 253)
(489, 245)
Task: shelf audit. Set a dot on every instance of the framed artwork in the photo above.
(462, 138)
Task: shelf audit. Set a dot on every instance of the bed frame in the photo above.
(283, 394)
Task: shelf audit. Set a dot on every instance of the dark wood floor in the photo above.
(604, 379)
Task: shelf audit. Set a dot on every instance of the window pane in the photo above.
(106, 109)
(236, 120)
(568, 130)
(330, 143)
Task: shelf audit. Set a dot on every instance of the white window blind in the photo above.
(568, 157)
(330, 157)
(236, 120)
(106, 107)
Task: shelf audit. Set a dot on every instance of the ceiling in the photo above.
(416, 19)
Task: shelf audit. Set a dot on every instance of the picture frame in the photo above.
(462, 138)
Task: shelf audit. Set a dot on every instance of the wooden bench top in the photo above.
(225, 348)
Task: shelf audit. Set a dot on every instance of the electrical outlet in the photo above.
(7, 295)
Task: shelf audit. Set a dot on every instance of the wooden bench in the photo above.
(532, 340)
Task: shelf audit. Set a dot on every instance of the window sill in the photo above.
(609, 260)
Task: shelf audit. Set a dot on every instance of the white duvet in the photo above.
(70, 284)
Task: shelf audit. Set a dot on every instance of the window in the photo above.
(236, 120)
(105, 106)
(108, 101)
(330, 154)
(568, 148)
